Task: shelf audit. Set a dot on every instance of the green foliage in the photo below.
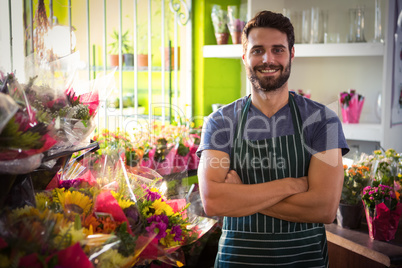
(126, 46)
(183, 150)
(161, 150)
(355, 179)
(127, 241)
(12, 137)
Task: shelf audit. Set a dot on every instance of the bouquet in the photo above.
(381, 198)
(385, 166)
(306, 94)
(96, 220)
(351, 105)
(173, 225)
(356, 178)
(382, 211)
(24, 135)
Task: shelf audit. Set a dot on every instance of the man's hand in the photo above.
(233, 177)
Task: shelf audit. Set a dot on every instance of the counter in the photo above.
(354, 248)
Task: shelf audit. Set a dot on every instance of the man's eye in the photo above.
(257, 51)
(278, 50)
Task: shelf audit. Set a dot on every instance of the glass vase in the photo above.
(378, 36)
(359, 21)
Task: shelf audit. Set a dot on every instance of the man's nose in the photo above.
(268, 58)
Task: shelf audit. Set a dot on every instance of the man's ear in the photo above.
(243, 58)
(292, 53)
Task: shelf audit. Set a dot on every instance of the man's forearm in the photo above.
(237, 200)
(302, 207)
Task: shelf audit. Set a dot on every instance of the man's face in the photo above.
(267, 59)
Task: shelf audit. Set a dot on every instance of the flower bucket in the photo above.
(236, 37)
(349, 216)
(351, 107)
(148, 162)
(180, 163)
(165, 167)
(350, 115)
(382, 222)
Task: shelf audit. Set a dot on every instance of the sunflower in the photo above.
(158, 207)
(25, 211)
(74, 201)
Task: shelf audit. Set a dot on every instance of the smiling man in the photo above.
(271, 162)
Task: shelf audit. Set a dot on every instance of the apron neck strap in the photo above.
(296, 118)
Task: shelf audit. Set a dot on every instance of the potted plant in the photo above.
(219, 21)
(114, 47)
(142, 48)
(350, 210)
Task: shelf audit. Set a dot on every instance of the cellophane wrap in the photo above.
(79, 221)
(60, 95)
(383, 222)
(24, 136)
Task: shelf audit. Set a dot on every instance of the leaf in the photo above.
(12, 137)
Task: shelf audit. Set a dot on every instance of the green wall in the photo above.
(215, 80)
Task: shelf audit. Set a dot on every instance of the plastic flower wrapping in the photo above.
(351, 106)
(24, 136)
(50, 114)
(107, 217)
(382, 201)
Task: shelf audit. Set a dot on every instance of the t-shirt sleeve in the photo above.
(325, 132)
(215, 133)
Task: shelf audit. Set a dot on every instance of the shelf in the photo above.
(129, 68)
(304, 50)
(362, 132)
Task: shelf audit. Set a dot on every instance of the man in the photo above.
(271, 163)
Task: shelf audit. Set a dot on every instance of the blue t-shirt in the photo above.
(322, 129)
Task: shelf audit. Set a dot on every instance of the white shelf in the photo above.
(304, 50)
(362, 132)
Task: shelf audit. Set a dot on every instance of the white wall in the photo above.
(17, 63)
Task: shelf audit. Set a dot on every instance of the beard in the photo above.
(268, 84)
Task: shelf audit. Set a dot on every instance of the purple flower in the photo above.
(150, 195)
(176, 230)
(67, 184)
(158, 225)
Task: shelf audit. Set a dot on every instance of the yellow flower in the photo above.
(68, 236)
(74, 201)
(4, 261)
(161, 207)
(123, 203)
(42, 201)
(168, 240)
(24, 212)
(112, 258)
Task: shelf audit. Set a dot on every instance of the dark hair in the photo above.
(268, 19)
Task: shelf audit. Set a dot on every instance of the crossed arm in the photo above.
(308, 199)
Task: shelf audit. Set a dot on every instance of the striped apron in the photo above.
(262, 241)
